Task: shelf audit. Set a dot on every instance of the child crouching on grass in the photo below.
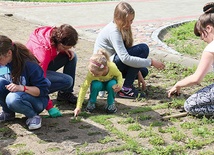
(103, 75)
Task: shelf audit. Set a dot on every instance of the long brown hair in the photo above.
(20, 54)
(65, 34)
(207, 18)
(121, 12)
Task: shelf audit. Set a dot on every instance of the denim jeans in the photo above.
(130, 73)
(20, 102)
(62, 81)
(97, 86)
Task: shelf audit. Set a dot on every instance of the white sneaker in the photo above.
(102, 94)
(34, 122)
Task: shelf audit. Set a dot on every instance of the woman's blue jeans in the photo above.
(62, 81)
(20, 102)
(97, 86)
(130, 73)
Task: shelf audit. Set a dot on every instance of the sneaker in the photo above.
(111, 108)
(126, 92)
(34, 122)
(6, 116)
(61, 96)
(90, 107)
(102, 94)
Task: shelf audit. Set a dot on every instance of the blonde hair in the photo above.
(99, 61)
(121, 12)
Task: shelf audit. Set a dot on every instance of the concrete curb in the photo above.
(171, 55)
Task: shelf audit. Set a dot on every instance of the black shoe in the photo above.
(130, 93)
(61, 96)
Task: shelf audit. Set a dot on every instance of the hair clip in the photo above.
(102, 66)
(97, 64)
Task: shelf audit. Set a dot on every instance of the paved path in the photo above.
(88, 18)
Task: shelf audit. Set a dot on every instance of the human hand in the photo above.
(70, 54)
(54, 112)
(157, 64)
(76, 112)
(14, 87)
(116, 88)
(141, 81)
(174, 90)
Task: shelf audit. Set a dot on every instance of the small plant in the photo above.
(94, 133)
(53, 149)
(202, 131)
(189, 125)
(18, 145)
(156, 123)
(24, 152)
(156, 140)
(178, 136)
(75, 119)
(147, 133)
(134, 127)
(106, 140)
(194, 144)
(127, 121)
(144, 117)
(171, 129)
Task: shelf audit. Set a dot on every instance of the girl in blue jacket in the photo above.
(24, 90)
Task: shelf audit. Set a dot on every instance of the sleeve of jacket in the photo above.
(83, 90)
(117, 74)
(36, 78)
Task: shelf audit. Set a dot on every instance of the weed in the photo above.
(134, 127)
(156, 140)
(106, 140)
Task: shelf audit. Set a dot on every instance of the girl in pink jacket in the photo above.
(52, 47)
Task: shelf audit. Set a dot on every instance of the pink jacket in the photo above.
(39, 44)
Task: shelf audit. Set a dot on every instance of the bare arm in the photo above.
(202, 69)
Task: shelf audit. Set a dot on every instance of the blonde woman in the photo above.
(103, 75)
(117, 39)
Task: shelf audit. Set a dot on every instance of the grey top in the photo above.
(110, 39)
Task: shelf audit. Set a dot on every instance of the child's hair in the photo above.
(65, 34)
(121, 12)
(20, 54)
(207, 18)
(98, 62)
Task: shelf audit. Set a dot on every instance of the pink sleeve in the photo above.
(50, 105)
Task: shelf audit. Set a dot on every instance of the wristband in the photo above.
(25, 88)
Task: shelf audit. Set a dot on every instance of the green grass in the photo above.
(183, 39)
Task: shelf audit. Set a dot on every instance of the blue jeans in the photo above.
(97, 86)
(62, 81)
(20, 102)
(130, 73)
